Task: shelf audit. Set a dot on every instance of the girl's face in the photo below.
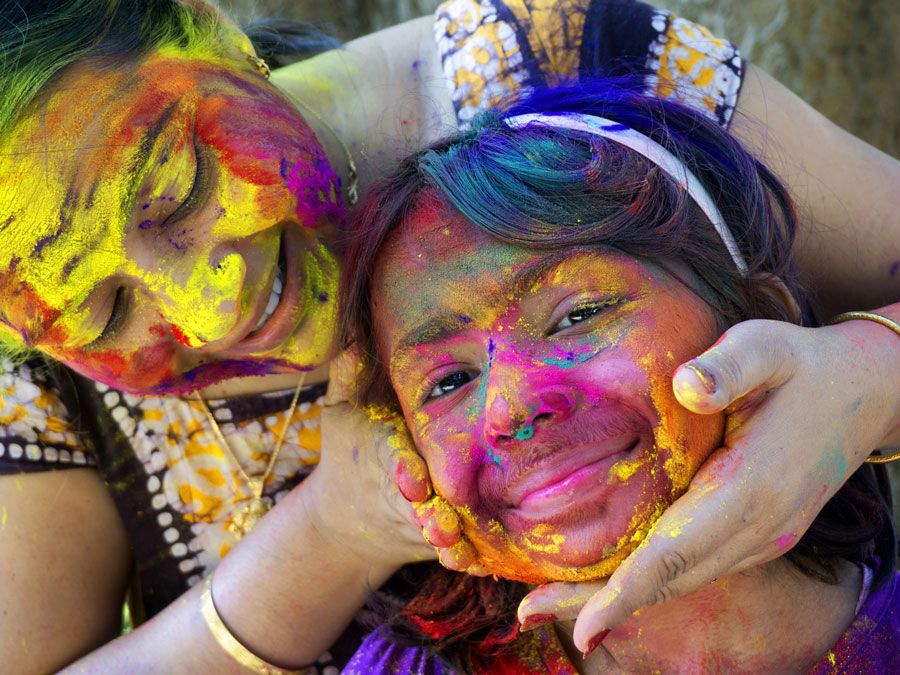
(537, 386)
(166, 226)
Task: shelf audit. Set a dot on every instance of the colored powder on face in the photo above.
(623, 469)
(569, 361)
(543, 540)
(525, 433)
(895, 267)
(4, 516)
(481, 399)
(491, 457)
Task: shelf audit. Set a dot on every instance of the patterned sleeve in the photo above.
(36, 429)
(492, 50)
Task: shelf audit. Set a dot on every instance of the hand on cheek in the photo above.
(437, 519)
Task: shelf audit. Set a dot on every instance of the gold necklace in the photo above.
(244, 518)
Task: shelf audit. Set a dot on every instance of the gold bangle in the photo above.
(228, 642)
(887, 323)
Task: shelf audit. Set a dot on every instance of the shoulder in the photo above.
(491, 50)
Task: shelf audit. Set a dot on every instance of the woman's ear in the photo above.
(777, 292)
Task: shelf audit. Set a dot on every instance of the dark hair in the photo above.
(541, 187)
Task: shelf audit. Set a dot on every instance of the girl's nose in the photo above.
(523, 409)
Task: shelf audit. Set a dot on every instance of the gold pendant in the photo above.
(245, 518)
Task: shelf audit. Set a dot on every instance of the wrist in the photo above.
(877, 335)
(337, 527)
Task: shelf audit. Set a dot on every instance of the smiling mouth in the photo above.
(558, 485)
(275, 295)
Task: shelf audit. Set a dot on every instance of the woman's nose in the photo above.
(201, 300)
(518, 411)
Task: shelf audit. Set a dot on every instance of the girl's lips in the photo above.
(561, 482)
(284, 319)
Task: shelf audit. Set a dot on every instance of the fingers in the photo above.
(461, 557)
(411, 475)
(439, 522)
(685, 552)
(410, 469)
(555, 602)
(749, 356)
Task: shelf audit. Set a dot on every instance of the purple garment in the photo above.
(871, 643)
(379, 654)
(869, 646)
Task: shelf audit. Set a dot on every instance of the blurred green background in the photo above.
(842, 56)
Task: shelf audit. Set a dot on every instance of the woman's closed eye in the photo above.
(116, 316)
(197, 194)
(451, 383)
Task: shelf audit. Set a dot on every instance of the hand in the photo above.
(352, 496)
(806, 407)
(439, 523)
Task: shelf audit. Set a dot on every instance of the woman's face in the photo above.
(167, 225)
(537, 386)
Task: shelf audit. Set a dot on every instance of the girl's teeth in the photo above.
(274, 298)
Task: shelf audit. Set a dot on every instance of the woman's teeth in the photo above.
(274, 298)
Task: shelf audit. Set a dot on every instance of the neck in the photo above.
(769, 619)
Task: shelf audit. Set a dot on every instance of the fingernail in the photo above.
(595, 642)
(707, 379)
(535, 620)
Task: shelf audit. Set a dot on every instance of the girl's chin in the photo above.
(543, 557)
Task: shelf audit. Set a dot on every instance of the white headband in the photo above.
(650, 149)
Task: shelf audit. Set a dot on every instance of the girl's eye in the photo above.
(451, 383)
(578, 315)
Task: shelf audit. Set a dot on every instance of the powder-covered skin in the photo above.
(537, 385)
(177, 180)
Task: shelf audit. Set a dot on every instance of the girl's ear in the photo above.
(777, 291)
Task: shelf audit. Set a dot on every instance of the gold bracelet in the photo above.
(228, 642)
(887, 323)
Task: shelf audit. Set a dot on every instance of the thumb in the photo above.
(751, 355)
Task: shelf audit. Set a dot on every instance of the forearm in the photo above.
(286, 592)
(385, 94)
(846, 193)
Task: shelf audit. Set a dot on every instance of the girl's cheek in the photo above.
(453, 462)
